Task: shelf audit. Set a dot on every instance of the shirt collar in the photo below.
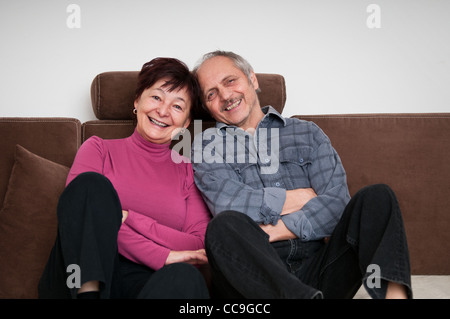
(269, 112)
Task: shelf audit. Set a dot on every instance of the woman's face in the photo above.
(161, 113)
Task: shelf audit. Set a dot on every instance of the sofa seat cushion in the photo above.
(28, 223)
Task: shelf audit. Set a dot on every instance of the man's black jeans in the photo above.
(368, 246)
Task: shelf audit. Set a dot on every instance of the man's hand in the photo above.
(278, 232)
(296, 199)
(193, 257)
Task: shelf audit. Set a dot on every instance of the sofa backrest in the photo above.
(410, 153)
(112, 96)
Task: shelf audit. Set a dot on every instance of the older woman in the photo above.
(131, 218)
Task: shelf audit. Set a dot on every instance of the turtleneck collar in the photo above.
(153, 149)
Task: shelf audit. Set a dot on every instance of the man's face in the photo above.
(227, 93)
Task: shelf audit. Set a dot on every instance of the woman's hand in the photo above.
(193, 257)
(124, 215)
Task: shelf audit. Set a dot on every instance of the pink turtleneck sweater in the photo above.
(166, 210)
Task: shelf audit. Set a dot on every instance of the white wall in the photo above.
(332, 61)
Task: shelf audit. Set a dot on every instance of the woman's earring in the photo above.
(134, 111)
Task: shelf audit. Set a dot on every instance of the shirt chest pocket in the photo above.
(294, 165)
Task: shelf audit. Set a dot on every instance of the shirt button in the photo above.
(267, 160)
(301, 160)
(277, 184)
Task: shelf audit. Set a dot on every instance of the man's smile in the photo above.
(233, 105)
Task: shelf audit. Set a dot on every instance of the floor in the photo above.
(424, 287)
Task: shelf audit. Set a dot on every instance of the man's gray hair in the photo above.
(241, 63)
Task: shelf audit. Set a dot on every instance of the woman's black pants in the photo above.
(89, 218)
(368, 246)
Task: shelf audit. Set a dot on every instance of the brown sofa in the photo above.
(409, 152)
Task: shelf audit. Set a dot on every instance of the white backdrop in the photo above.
(332, 59)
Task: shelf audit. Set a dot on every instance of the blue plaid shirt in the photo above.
(250, 173)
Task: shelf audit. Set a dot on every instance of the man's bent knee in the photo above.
(377, 191)
(226, 221)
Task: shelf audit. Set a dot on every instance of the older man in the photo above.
(284, 225)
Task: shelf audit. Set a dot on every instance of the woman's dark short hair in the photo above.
(178, 77)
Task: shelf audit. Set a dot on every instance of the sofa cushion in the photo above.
(28, 223)
(107, 129)
(56, 139)
(112, 94)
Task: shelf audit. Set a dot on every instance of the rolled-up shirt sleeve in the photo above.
(318, 217)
